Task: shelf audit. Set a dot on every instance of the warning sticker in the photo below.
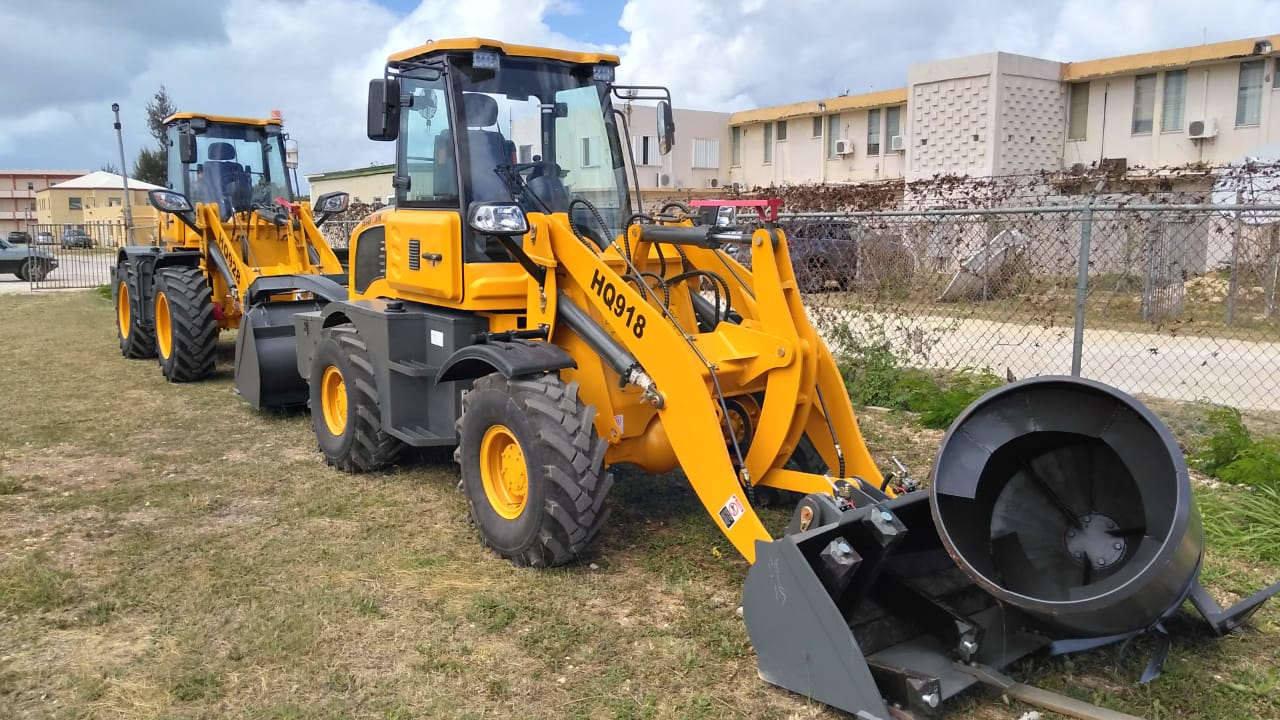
(731, 511)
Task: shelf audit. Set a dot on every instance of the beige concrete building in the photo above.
(1206, 103)
(841, 139)
(1003, 114)
(97, 197)
(366, 185)
(18, 188)
(698, 161)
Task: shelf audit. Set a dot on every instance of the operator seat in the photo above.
(487, 148)
(227, 177)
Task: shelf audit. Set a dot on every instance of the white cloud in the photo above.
(737, 54)
(312, 59)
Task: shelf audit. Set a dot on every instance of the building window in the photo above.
(113, 202)
(589, 152)
(1173, 106)
(735, 147)
(1275, 76)
(782, 130)
(31, 185)
(833, 134)
(73, 203)
(706, 154)
(817, 126)
(1078, 121)
(525, 153)
(1249, 96)
(645, 148)
(873, 132)
(1144, 103)
(377, 199)
(33, 205)
(892, 122)
(768, 143)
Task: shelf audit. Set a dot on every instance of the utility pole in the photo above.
(124, 174)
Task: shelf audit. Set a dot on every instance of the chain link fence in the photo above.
(1173, 301)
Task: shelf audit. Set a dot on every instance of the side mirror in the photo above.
(497, 218)
(666, 128)
(330, 203)
(174, 203)
(384, 109)
(187, 147)
(291, 154)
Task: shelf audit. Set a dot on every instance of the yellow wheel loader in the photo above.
(515, 305)
(236, 252)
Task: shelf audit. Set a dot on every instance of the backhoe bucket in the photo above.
(266, 355)
(1060, 518)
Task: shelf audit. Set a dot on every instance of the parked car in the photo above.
(824, 254)
(28, 262)
(44, 237)
(19, 237)
(76, 238)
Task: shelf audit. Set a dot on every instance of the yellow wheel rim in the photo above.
(164, 331)
(503, 472)
(333, 401)
(122, 310)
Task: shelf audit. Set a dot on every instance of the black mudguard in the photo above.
(512, 358)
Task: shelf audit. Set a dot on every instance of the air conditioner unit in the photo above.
(844, 147)
(713, 183)
(663, 180)
(896, 143)
(739, 187)
(1199, 129)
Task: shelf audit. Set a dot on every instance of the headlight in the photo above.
(498, 219)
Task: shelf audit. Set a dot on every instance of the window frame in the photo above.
(735, 146)
(768, 144)
(1164, 102)
(1084, 90)
(713, 152)
(1241, 107)
(874, 145)
(1143, 103)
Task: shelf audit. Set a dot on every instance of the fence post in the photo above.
(1082, 287)
(1233, 283)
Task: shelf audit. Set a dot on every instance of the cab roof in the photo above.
(438, 46)
(224, 119)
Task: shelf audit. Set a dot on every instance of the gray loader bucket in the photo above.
(869, 610)
(266, 347)
(266, 358)
(1060, 518)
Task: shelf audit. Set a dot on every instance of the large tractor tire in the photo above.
(532, 468)
(345, 412)
(186, 331)
(137, 339)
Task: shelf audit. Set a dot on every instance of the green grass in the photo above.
(166, 552)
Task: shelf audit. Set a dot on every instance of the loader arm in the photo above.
(774, 349)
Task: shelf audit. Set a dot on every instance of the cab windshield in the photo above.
(244, 155)
(537, 132)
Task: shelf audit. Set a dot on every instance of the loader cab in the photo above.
(478, 121)
(234, 163)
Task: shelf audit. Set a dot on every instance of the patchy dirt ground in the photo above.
(165, 552)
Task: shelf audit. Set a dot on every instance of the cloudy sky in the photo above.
(63, 62)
